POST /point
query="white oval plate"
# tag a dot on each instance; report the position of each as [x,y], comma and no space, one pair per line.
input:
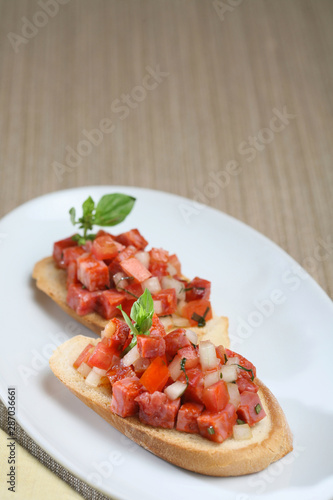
[279,318]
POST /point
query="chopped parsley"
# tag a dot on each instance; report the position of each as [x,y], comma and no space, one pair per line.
[201,320]
[211,430]
[257,408]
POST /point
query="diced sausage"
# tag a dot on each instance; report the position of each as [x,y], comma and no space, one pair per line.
[92,273]
[124,394]
[174,341]
[150,347]
[157,410]
[133,238]
[250,409]
[107,303]
[198,289]
[187,417]
[217,426]
[191,356]
[82,301]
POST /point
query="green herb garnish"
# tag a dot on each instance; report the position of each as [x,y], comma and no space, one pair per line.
[109,211]
[211,430]
[182,367]
[141,313]
[257,408]
[240,422]
[200,319]
[247,370]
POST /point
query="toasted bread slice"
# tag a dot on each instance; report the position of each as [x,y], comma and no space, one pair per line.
[52,281]
[271,438]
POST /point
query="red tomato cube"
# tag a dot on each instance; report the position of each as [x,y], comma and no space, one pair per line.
[217,426]
[168,301]
[250,409]
[187,417]
[124,393]
[92,273]
[133,267]
[101,356]
[197,289]
[156,375]
[197,311]
[82,301]
[150,347]
[216,396]
[118,372]
[195,386]
[132,237]
[105,247]
[84,356]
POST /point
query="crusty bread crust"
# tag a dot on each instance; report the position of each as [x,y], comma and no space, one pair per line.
[271,439]
[52,281]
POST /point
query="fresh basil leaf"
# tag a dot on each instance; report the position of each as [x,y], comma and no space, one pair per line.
[128,321]
[72,214]
[88,207]
[113,208]
[142,312]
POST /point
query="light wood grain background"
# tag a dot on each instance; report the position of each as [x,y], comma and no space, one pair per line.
[227,66]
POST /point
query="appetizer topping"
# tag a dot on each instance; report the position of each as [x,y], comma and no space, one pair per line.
[105,271]
[168,381]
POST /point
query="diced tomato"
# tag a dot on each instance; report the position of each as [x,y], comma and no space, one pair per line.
[150,347]
[197,309]
[114,266]
[82,301]
[216,396]
[133,267]
[245,363]
[187,417]
[250,409]
[220,353]
[132,237]
[92,273]
[245,384]
[198,289]
[105,247]
[124,393]
[217,426]
[84,356]
[72,275]
[158,264]
[156,329]
[168,299]
[58,249]
[70,254]
[195,386]
[176,340]
[174,261]
[191,356]
[156,375]
[118,372]
[107,303]
[157,410]
[101,356]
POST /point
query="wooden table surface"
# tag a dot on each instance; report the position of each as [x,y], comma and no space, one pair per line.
[226,102]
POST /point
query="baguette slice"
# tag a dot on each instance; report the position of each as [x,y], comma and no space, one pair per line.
[52,281]
[271,438]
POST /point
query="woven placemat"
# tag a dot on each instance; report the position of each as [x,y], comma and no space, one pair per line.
[24,440]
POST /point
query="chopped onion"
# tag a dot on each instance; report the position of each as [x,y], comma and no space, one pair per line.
[233,361]
[108,330]
[144,258]
[207,352]
[211,378]
[152,284]
[192,336]
[180,307]
[93,379]
[180,321]
[158,307]
[175,368]
[132,356]
[84,369]
[175,390]
[120,281]
[234,395]
[169,282]
[167,322]
[229,373]
[171,269]
[242,431]
[99,371]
